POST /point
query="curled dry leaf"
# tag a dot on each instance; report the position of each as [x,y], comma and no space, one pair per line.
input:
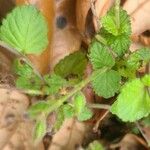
[139,12]
[66,38]
[42,61]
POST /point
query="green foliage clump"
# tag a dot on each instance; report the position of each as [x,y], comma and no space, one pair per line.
[114,74]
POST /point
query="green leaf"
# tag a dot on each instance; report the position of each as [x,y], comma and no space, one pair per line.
[107,83]
[37,108]
[109,23]
[100,56]
[74,64]
[79,103]
[60,119]
[68,111]
[25,29]
[138,57]
[127,72]
[25,82]
[119,44]
[146,80]
[95,145]
[22,69]
[54,82]
[133,103]
[85,114]
[39,130]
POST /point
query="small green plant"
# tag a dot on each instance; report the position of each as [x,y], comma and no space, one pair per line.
[114,74]
[95,145]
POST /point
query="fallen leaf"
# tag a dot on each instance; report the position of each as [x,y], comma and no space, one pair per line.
[22,138]
[82,9]
[12,106]
[139,12]
[69,136]
[66,38]
[130,142]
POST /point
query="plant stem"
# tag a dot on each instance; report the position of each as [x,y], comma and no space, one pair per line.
[10,49]
[117,8]
[32,92]
[99,106]
[77,88]
[101,39]
[143,134]
[28,91]
[24,57]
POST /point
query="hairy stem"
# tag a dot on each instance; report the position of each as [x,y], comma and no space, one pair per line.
[104,42]
[99,106]
[27,91]
[24,57]
[101,39]
[76,89]
[117,8]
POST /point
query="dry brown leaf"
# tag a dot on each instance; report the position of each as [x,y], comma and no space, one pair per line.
[66,38]
[139,12]
[22,138]
[101,7]
[98,8]
[146,130]
[130,142]
[12,106]
[42,61]
[15,130]
[82,9]
[5,6]
[134,46]
[5,60]
[69,136]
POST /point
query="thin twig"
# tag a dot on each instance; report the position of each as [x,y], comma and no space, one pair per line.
[28,91]
[117,8]
[103,41]
[143,134]
[148,72]
[10,49]
[148,68]
[99,106]
[95,128]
